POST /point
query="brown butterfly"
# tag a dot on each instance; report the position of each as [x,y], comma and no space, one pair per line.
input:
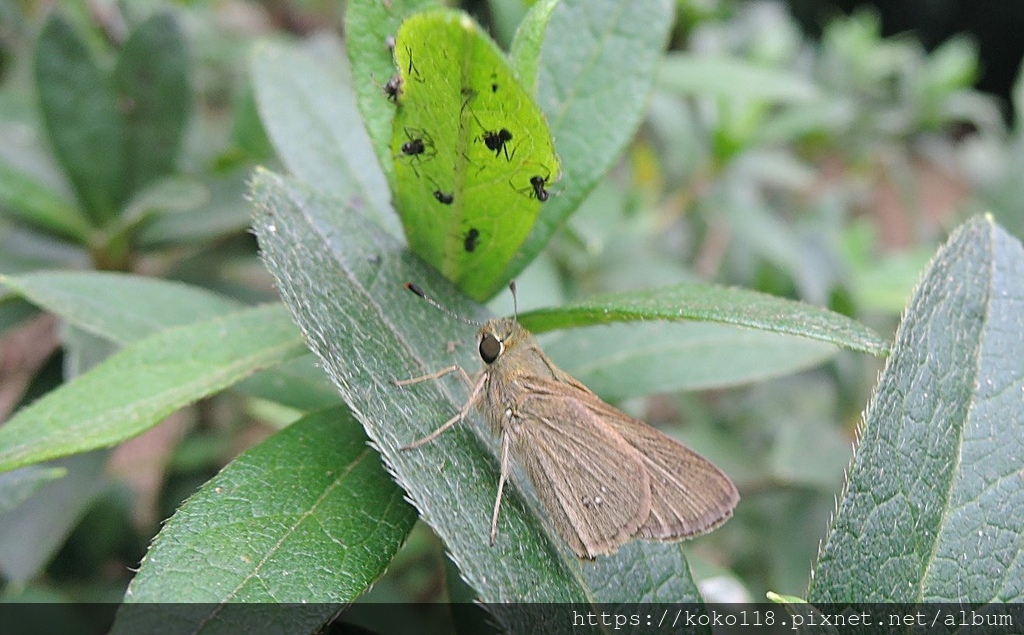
[604,477]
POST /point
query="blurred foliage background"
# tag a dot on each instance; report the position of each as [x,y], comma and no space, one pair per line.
[804,151]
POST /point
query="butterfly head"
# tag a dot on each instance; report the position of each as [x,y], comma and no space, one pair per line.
[497,337]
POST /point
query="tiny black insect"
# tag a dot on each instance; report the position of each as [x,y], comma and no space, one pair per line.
[497,140]
[418,148]
[538,183]
[471,240]
[419,143]
[536,189]
[414,147]
[393,88]
[442,197]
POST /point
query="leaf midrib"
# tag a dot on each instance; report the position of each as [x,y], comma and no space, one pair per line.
[955,471]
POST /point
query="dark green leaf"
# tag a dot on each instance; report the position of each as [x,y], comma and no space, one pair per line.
[300,383]
[151,82]
[166,195]
[32,532]
[344,280]
[41,252]
[934,505]
[14,311]
[711,303]
[81,115]
[19,485]
[223,212]
[120,307]
[733,79]
[529,38]
[597,65]
[24,198]
[311,116]
[307,516]
[659,357]
[137,387]
[642,572]
[82,350]
[124,308]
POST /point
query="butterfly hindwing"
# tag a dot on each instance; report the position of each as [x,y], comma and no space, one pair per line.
[592,482]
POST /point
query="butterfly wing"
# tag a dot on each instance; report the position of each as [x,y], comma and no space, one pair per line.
[593,483]
[689,495]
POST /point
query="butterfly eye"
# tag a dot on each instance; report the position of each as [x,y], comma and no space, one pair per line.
[490,348]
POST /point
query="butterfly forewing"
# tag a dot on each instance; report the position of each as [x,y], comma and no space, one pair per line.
[591,481]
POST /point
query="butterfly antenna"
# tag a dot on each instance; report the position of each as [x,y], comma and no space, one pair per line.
[515,300]
[443,309]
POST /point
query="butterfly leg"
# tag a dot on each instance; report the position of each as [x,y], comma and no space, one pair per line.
[473,396]
[435,375]
[506,442]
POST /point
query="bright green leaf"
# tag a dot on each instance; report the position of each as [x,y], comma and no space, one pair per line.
[473,154]
[784,599]
[934,506]
[344,280]
[152,84]
[368,26]
[711,303]
[137,387]
[308,516]
[80,111]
